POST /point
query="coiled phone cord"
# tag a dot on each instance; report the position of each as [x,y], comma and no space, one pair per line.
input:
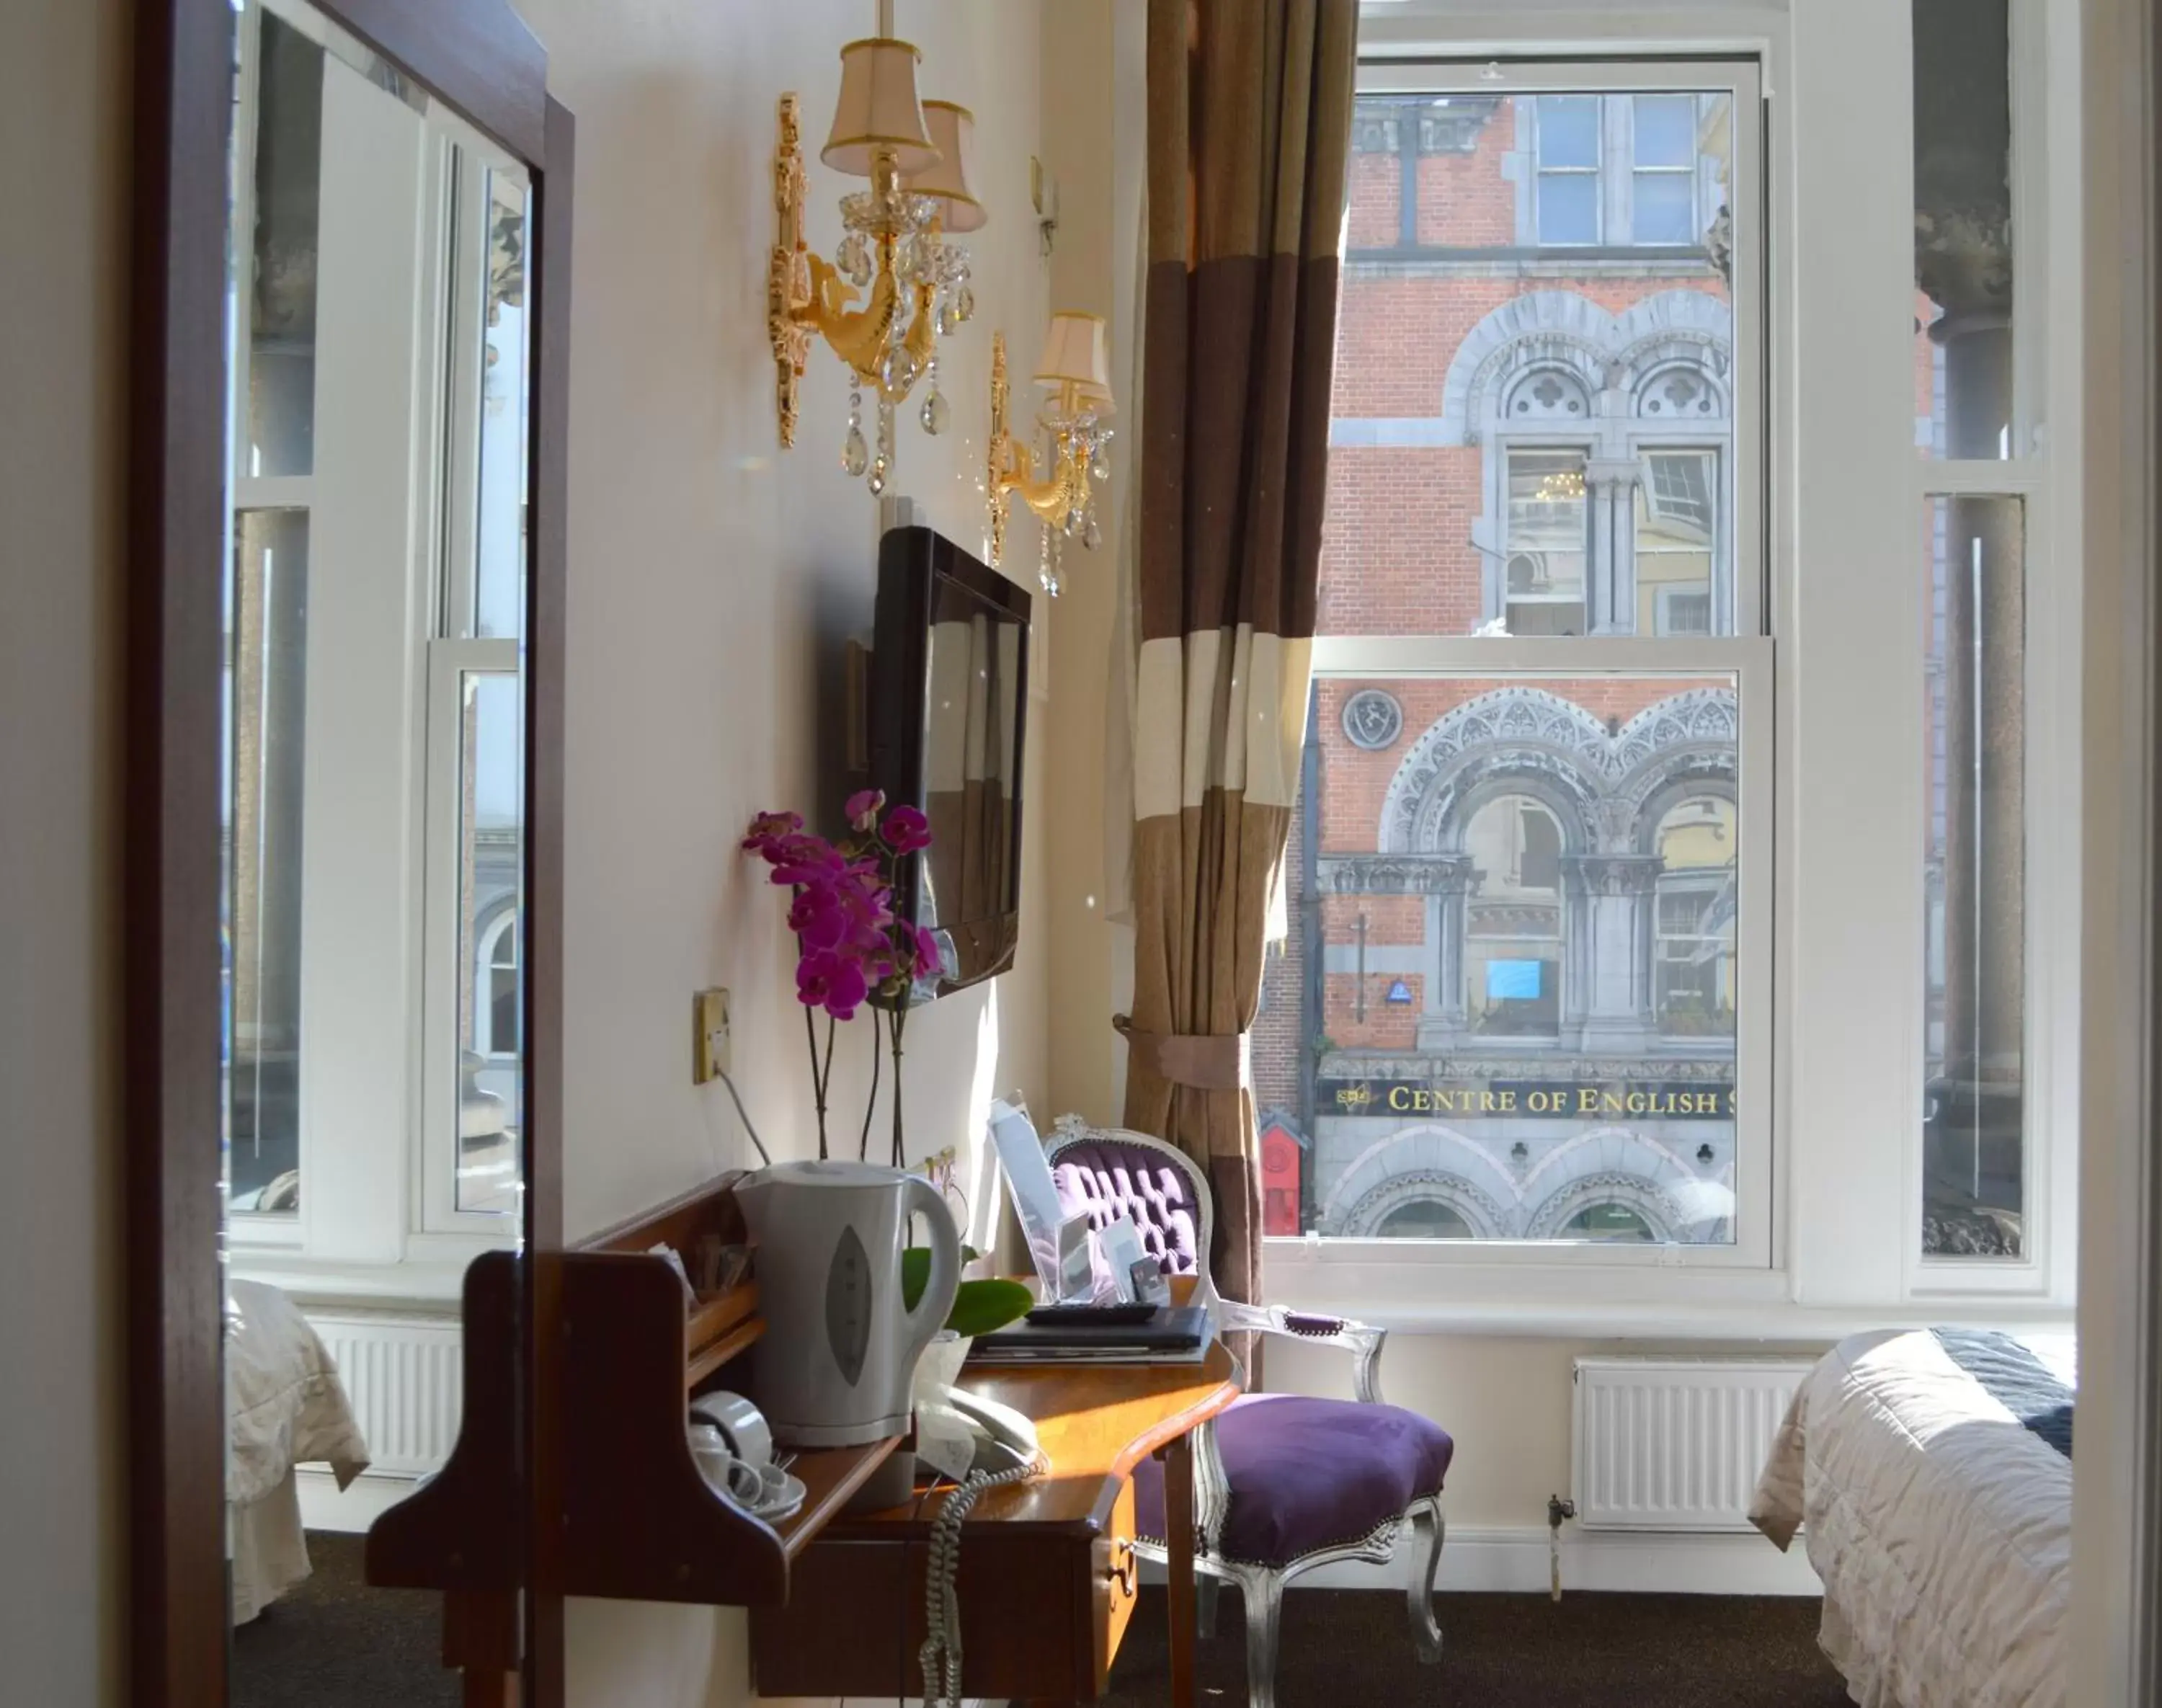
[940,1653]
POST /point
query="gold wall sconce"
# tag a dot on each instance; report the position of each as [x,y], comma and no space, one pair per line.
[895,246]
[1075,370]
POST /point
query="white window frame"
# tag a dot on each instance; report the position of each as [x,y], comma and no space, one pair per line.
[1838,354]
[1384,1267]
[375,1135]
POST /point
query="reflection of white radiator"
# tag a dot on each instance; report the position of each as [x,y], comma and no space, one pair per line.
[403,1375]
[1675,1443]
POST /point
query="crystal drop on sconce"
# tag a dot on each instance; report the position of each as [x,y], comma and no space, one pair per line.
[855,454]
[937,413]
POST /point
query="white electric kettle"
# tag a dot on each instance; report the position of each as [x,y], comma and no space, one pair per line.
[838,1357]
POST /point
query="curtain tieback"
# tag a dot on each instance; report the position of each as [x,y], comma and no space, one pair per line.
[1205,1061]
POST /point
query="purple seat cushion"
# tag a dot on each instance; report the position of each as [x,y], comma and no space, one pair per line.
[1109,1180]
[1309,1474]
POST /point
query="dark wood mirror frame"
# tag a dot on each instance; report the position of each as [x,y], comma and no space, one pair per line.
[478,57]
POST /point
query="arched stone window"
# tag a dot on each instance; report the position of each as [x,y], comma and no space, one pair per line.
[1512,924]
[495,999]
[1423,1219]
[1693,905]
[1615,1224]
[1606,444]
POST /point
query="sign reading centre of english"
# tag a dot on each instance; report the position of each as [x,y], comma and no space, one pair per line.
[1519,1099]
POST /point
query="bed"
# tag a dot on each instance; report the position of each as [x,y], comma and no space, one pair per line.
[1929,1473]
[284,1408]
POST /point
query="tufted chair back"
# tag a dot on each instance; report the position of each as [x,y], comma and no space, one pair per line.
[1150,1182]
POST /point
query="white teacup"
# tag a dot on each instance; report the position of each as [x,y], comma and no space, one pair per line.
[746,1483]
[741,1424]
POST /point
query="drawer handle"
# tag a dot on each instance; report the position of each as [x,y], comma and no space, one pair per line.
[1125,1570]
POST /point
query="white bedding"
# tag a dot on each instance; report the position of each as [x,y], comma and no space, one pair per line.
[285,1407]
[1938,1521]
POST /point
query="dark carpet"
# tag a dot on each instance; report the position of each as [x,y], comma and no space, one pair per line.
[1344,1648]
[332,1641]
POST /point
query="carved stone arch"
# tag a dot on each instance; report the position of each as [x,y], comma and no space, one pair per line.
[1619,1165]
[1687,776]
[1546,393]
[1420,1162]
[1557,330]
[1523,731]
[1551,1217]
[1681,745]
[1486,1220]
[1680,391]
[1693,318]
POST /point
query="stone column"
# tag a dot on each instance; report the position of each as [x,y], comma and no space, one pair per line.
[1610,591]
[1609,902]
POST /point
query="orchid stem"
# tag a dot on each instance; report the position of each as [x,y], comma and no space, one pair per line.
[870,1103]
[817,1085]
[900,1016]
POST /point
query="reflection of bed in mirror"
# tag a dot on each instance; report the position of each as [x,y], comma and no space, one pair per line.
[284,1408]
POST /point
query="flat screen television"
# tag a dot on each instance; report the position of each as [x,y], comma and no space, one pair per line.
[948,706]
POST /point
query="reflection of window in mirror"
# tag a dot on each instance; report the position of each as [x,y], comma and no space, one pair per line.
[372,765]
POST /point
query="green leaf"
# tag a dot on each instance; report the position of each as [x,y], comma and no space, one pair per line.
[982,1306]
[916,1271]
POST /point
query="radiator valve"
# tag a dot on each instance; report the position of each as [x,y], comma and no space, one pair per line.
[1558,1509]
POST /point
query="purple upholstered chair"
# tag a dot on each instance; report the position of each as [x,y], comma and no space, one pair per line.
[1283,1483]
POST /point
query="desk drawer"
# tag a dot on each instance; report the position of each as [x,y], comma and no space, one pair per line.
[1042,1613]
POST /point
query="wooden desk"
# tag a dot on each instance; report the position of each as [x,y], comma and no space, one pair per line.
[1048,1574]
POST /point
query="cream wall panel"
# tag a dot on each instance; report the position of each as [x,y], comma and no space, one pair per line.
[713,581]
[63,127]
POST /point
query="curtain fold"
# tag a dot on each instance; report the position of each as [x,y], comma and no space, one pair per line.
[1249,124]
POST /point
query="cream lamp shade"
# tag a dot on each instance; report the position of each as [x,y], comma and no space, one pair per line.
[1077,353]
[953,133]
[878,109]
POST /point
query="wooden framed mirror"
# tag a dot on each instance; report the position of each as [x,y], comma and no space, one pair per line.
[344,832]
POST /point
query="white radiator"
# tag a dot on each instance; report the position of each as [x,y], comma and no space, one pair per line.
[404,1378]
[1672,1444]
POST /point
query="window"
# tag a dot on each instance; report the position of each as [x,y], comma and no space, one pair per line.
[1675,514]
[1569,131]
[372,726]
[1609,1222]
[1513,921]
[475,718]
[1424,1220]
[1697,887]
[1541,739]
[1978,1183]
[1548,527]
[1622,171]
[1662,179]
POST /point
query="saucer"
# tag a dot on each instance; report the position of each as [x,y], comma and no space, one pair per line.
[783,1499]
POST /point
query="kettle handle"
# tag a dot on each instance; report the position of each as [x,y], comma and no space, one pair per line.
[944,1281]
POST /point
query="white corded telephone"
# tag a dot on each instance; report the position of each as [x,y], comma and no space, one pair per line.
[1005,1451]
[1004,1440]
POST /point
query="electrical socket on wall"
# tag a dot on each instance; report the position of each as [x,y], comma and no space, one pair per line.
[709,1035]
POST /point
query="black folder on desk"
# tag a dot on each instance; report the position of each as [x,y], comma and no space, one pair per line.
[1175,1335]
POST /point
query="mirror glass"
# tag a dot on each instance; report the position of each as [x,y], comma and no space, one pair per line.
[971,878]
[371,809]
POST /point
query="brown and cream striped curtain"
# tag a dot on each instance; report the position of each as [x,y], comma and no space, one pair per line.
[1249,125]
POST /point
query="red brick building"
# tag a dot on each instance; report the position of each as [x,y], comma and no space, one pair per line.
[1505,1007]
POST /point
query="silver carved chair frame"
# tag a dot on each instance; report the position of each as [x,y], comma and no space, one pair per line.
[1261,1586]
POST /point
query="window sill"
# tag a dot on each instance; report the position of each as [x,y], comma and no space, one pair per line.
[438,1286]
[1590,1301]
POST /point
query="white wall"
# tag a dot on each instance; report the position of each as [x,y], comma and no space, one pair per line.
[63,136]
[713,580]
